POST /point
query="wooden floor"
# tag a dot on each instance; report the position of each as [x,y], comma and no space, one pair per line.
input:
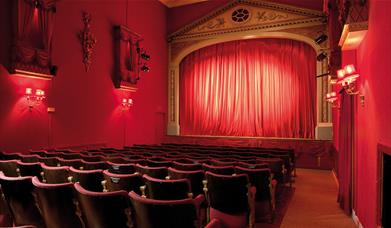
[314,203]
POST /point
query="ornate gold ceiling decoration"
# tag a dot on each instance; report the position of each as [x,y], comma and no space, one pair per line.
[245,15]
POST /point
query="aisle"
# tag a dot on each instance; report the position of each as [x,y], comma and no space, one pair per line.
[314,204]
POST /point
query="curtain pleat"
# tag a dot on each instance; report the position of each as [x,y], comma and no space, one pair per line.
[260,87]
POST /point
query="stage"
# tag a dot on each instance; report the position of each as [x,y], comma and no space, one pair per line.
[314,154]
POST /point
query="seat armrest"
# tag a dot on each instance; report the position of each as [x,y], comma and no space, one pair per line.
[214,223]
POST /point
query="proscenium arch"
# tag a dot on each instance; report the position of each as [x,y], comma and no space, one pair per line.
[268,20]
[322,127]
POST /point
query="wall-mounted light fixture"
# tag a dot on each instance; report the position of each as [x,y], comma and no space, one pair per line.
[127,103]
[34,99]
[347,77]
[332,98]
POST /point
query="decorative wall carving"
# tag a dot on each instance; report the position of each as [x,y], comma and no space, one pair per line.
[87,40]
[33,30]
[244,19]
[126,51]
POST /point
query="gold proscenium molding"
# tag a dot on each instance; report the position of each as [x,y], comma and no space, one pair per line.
[265,20]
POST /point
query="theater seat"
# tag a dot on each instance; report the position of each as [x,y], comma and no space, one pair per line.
[104,209]
[223,170]
[166,189]
[230,198]
[89,179]
[9,167]
[56,202]
[150,213]
[156,172]
[121,168]
[55,175]
[126,182]
[195,177]
[18,192]
[261,179]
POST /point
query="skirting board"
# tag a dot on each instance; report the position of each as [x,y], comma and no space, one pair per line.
[356,220]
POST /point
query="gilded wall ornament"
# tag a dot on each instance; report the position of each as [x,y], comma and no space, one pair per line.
[87,40]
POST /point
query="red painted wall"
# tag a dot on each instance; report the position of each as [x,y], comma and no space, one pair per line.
[373,119]
[87,105]
[181,16]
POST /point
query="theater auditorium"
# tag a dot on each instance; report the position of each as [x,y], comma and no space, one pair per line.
[195,113]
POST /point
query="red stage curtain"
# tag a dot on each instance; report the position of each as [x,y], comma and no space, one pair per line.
[345,150]
[261,87]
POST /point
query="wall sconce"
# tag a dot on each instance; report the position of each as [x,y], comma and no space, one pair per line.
[332,99]
[347,78]
[34,99]
[127,103]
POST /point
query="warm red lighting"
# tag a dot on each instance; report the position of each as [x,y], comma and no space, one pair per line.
[29,91]
[34,99]
[127,102]
[349,69]
[331,97]
[347,75]
[341,73]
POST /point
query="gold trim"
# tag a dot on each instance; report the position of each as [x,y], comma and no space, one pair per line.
[29,74]
[126,87]
[254,3]
[245,137]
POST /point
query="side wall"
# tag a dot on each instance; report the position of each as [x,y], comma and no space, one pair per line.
[373,123]
[88,108]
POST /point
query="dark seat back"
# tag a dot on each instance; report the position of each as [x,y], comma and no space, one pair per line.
[126,182]
[226,193]
[195,177]
[121,168]
[89,179]
[186,166]
[56,202]
[104,209]
[223,170]
[162,213]
[156,172]
[166,189]
[30,169]
[18,192]
[259,178]
[9,167]
[55,175]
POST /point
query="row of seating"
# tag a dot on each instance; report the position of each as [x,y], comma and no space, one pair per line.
[88,169]
[153,187]
[154,159]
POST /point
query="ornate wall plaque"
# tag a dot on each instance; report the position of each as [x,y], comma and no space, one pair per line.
[87,40]
[127,58]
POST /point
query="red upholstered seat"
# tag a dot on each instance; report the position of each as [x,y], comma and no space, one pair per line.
[75,163]
[55,175]
[9,167]
[29,169]
[29,158]
[230,198]
[156,172]
[56,203]
[121,168]
[18,192]
[261,179]
[50,161]
[95,165]
[126,182]
[89,179]
[167,189]
[166,213]
[224,170]
[104,209]
[194,176]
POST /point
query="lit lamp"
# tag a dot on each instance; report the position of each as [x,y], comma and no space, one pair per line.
[332,98]
[127,103]
[34,99]
[347,78]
